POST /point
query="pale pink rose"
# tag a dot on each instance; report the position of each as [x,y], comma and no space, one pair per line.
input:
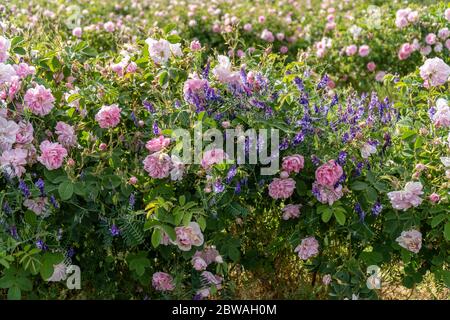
[405,51]
[188,236]
[133,180]
[444,33]
[108,116]
[364,50]
[38,205]
[413,17]
[284,49]
[162,281]
[39,100]
[261,19]
[407,198]
[371,66]
[326,280]
[109,26]
[380,76]
[132,67]
[434,72]
[438,47]
[52,155]
[430,38]
[211,157]
[157,165]
[199,264]
[8,133]
[267,36]
[293,163]
[329,173]
[248,27]
[291,211]
[434,197]
[77,32]
[425,50]
[212,279]
[13,162]
[5,45]
[327,194]
[280,36]
[441,117]
[447,14]
[25,133]
[118,68]
[195,45]
[66,134]
[207,256]
[23,70]
[410,240]
[351,50]
[308,248]
[281,188]
[447,44]
[159,50]
[157,144]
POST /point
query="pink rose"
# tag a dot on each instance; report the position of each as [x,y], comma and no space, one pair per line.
[39,100]
[410,240]
[66,134]
[108,116]
[293,163]
[430,38]
[77,32]
[308,248]
[434,72]
[211,157]
[291,211]
[364,50]
[329,173]
[188,236]
[434,197]
[281,188]
[162,281]
[52,155]
[327,194]
[371,66]
[13,162]
[157,144]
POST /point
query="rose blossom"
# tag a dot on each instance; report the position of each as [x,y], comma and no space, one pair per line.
[109,26]
[447,14]
[157,144]
[159,50]
[329,173]
[291,211]
[162,281]
[326,280]
[188,236]
[281,188]
[13,162]
[371,66]
[444,33]
[327,194]
[434,197]
[441,118]
[157,165]
[351,50]
[8,133]
[309,247]
[5,45]
[434,72]
[77,32]
[408,197]
[37,205]
[364,50]
[293,163]
[108,116]
[52,155]
[39,100]
[410,240]
[430,38]
[211,157]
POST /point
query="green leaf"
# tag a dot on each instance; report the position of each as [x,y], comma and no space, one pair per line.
[14,293]
[187,218]
[65,190]
[326,214]
[163,78]
[174,38]
[138,264]
[438,219]
[20,51]
[447,231]
[156,237]
[48,261]
[201,222]
[182,200]
[340,217]
[170,231]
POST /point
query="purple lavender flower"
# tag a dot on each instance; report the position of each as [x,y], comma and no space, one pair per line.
[342,158]
[218,186]
[206,70]
[114,230]
[24,188]
[298,138]
[231,173]
[156,130]
[299,83]
[132,200]
[13,232]
[54,203]
[377,208]
[323,82]
[237,189]
[149,106]
[41,245]
[40,185]
[70,252]
[360,212]
[6,208]
[315,160]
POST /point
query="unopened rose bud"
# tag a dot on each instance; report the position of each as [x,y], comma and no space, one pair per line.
[434,197]
[70,162]
[420,167]
[133,180]
[226,124]
[141,123]
[103,146]
[207,189]
[284,175]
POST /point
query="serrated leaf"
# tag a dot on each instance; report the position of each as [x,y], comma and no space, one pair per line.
[156,237]
[340,217]
[65,190]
